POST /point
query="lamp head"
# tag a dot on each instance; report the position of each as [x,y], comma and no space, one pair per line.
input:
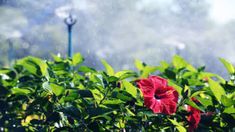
[70,20]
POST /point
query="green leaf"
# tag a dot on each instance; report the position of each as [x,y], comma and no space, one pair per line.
[56,58]
[128,87]
[46,86]
[70,95]
[139,65]
[187,91]
[98,96]
[147,70]
[125,74]
[163,66]
[113,79]
[30,67]
[179,63]
[227,101]
[177,88]
[196,93]
[108,68]
[204,75]
[20,91]
[120,124]
[205,101]
[85,93]
[229,110]
[77,59]
[122,95]
[216,89]
[105,116]
[4,71]
[130,112]
[86,69]
[34,65]
[113,102]
[191,103]
[228,66]
[179,127]
[56,89]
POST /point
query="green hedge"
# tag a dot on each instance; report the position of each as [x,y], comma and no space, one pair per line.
[64,94]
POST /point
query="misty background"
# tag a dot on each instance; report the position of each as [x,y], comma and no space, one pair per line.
[121,30]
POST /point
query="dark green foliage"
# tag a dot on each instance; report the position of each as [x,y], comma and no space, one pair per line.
[64,95]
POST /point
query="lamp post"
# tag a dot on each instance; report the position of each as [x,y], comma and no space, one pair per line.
[70,21]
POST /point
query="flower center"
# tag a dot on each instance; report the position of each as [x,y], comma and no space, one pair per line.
[156,97]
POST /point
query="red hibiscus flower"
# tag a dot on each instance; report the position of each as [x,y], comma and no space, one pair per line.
[194,117]
[158,96]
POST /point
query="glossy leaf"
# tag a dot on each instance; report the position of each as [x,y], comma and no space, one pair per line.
[229,110]
[228,66]
[77,59]
[227,101]
[32,64]
[98,96]
[179,63]
[125,74]
[128,87]
[177,88]
[193,104]
[20,91]
[56,89]
[147,70]
[86,69]
[179,127]
[216,89]
[108,68]
[139,65]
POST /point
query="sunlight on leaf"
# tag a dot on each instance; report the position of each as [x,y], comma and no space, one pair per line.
[216,89]
[228,66]
[108,68]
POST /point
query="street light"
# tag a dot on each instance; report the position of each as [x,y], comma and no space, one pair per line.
[64,12]
[70,21]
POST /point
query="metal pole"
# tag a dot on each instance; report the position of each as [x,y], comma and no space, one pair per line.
[70,47]
[70,21]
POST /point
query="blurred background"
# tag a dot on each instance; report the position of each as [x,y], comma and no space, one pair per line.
[120,31]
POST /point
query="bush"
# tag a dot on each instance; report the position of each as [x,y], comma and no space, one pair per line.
[40,95]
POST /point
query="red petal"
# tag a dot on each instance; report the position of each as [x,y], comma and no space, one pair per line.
[146,87]
[167,93]
[158,82]
[194,118]
[169,106]
[153,104]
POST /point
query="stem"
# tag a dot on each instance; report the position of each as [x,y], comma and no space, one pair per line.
[105,95]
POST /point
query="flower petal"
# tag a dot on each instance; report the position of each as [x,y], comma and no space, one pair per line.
[158,82]
[169,106]
[146,87]
[194,118]
[153,104]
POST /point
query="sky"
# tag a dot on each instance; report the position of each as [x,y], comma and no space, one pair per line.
[222,11]
[123,30]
